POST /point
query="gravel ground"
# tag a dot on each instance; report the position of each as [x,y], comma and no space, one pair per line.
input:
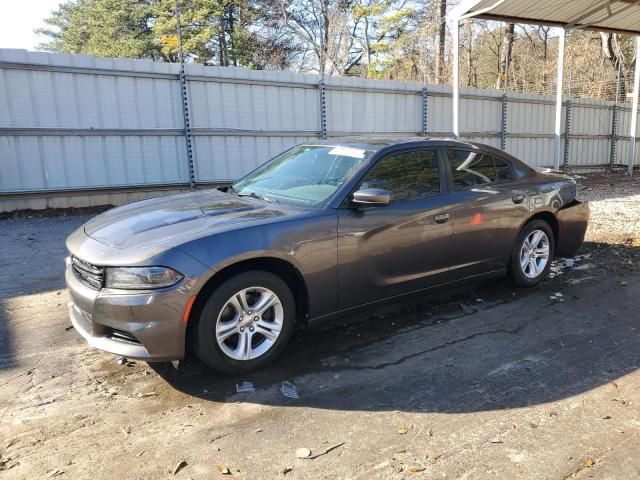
[481,382]
[615,208]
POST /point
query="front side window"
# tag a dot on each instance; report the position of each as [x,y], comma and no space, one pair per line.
[307,175]
[470,169]
[406,175]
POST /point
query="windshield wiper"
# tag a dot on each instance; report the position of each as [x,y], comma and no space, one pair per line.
[255,195]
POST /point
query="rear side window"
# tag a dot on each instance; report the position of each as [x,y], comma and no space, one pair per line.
[470,169]
[406,175]
[503,169]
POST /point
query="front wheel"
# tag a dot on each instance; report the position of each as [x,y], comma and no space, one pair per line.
[245,323]
[532,254]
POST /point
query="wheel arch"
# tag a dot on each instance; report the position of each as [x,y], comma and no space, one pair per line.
[283,269]
[550,219]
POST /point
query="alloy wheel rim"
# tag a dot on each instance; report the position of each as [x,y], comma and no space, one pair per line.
[534,254]
[249,323]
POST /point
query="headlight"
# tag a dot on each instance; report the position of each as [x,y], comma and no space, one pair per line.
[141,278]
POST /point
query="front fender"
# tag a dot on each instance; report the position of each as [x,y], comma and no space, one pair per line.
[308,244]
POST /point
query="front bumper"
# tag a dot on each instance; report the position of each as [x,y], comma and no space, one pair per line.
[137,325]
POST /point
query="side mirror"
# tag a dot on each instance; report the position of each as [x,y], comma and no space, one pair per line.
[371,196]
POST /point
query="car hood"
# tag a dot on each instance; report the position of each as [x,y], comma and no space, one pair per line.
[177,218]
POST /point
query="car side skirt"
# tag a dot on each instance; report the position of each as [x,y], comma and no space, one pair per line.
[317,321]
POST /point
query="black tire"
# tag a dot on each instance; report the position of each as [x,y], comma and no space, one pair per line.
[515,269]
[205,344]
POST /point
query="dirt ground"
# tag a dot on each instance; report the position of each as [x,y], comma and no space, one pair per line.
[481,382]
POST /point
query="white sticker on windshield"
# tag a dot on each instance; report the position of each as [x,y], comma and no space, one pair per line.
[348,152]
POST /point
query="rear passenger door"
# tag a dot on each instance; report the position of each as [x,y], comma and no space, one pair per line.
[488,211]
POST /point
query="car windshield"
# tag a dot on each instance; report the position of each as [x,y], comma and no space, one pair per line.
[307,175]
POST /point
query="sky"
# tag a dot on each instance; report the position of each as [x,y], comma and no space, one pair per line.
[18,19]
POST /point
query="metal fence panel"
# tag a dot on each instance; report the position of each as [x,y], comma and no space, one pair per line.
[588,152]
[77,121]
[530,118]
[373,107]
[224,158]
[537,152]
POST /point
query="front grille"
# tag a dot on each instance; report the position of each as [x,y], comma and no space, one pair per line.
[90,275]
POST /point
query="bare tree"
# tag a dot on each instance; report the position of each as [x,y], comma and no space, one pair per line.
[621,56]
[507,51]
[441,19]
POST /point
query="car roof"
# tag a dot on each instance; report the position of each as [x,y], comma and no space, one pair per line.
[378,143]
[389,144]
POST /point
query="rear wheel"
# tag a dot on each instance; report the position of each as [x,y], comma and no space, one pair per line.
[245,323]
[532,254]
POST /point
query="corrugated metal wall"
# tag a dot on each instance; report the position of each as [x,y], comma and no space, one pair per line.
[70,122]
[64,128]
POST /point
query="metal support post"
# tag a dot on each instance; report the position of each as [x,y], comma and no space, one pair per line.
[634,111]
[503,126]
[185,102]
[558,129]
[614,136]
[425,111]
[323,110]
[455,34]
[567,138]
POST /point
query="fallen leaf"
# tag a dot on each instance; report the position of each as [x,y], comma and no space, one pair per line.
[416,469]
[179,466]
[303,453]
[589,463]
[403,430]
[6,465]
[224,470]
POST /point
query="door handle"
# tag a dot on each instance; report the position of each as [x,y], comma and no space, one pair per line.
[518,197]
[442,218]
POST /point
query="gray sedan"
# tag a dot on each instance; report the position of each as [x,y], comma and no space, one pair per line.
[319,230]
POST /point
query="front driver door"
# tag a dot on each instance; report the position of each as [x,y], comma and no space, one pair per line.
[389,250]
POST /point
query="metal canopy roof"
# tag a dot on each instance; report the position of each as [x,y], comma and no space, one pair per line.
[621,16]
[618,16]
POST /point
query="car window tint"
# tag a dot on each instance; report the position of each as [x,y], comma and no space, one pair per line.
[470,168]
[503,169]
[406,175]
